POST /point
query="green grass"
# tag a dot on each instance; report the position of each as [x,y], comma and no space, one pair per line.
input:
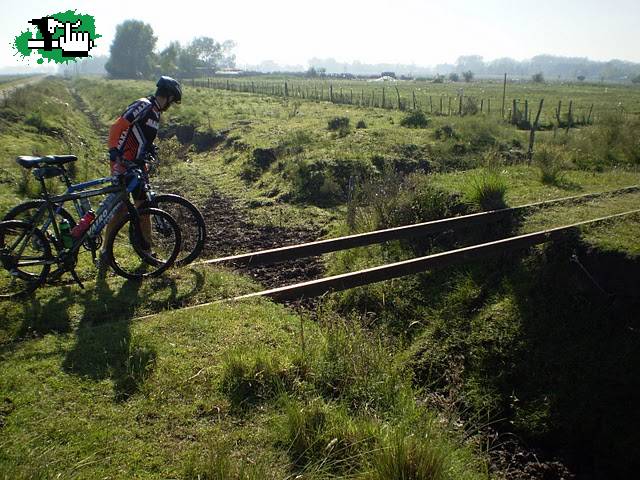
[159,397]
[394,377]
[605,98]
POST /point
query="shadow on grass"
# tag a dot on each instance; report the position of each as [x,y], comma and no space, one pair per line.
[577,375]
[104,347]
[50,316]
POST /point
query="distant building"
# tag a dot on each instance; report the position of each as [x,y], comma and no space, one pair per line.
[388,74]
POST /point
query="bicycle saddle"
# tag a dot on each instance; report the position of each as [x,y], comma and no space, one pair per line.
[31,162]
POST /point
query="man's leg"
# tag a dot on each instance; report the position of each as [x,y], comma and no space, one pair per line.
[145,225]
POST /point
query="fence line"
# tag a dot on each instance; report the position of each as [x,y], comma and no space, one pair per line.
[460,104]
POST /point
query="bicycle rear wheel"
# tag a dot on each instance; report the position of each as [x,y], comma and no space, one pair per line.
[192,226]
[25,255]
[134,256]
[27,212]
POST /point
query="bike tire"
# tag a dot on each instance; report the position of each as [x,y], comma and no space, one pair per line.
[191,221]
[31,276]
[26,211]
[130,260]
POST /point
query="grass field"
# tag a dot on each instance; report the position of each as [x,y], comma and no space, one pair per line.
[605,98]
[429,374]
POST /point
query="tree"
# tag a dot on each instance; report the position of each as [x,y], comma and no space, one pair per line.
[131,54]
[468,76]
[636,79]
[206,55]
[538,77]
[454,77]
[581,78]
[168,60]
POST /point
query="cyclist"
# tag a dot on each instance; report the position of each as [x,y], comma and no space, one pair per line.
[131,138]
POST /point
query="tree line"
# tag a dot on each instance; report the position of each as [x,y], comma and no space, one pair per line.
[133,54]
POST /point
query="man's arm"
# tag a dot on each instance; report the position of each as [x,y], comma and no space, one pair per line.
[115,132]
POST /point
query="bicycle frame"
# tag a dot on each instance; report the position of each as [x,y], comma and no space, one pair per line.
[105,212]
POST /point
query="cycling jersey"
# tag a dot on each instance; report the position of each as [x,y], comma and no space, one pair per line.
[136,129]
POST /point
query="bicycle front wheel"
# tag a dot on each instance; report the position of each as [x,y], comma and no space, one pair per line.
[25,255]
[148,253]
[192,226]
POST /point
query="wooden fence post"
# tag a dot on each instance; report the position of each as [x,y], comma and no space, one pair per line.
[570,115]
[504,93]
[430,104]
[383,99]
[399,102]
[532,134]
[414,99]
[331,92]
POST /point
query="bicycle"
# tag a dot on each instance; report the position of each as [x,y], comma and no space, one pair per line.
[25,246]
[192,225]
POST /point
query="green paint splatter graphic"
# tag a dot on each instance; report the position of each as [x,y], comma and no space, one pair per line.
[87,25]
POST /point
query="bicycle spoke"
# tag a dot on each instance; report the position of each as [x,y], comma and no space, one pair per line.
[23,266]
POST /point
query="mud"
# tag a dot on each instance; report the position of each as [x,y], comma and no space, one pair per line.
[230,233]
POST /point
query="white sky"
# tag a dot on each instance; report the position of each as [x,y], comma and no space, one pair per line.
[373,31]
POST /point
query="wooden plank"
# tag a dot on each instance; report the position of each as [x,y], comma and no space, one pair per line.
[368,276]
[320,247]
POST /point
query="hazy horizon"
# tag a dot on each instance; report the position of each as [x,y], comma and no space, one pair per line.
[405,32]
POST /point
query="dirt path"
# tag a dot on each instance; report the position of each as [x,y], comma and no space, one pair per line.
[8,90]
[229,233]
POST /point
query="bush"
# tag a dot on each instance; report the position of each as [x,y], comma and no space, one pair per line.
[454,77]
[468,76]
[537,77]
[361,124]
[312,181]
[487,189]
[636,79]
[445,132]
[293,143]
[415,119]
[470,106]
[549,162]
[340,124]
[325,182]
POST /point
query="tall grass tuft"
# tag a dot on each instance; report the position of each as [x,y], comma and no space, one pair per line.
[216,463]
[550,163]
[357,367]
[409,458]
[249,378]
[324,440]
[487,189]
